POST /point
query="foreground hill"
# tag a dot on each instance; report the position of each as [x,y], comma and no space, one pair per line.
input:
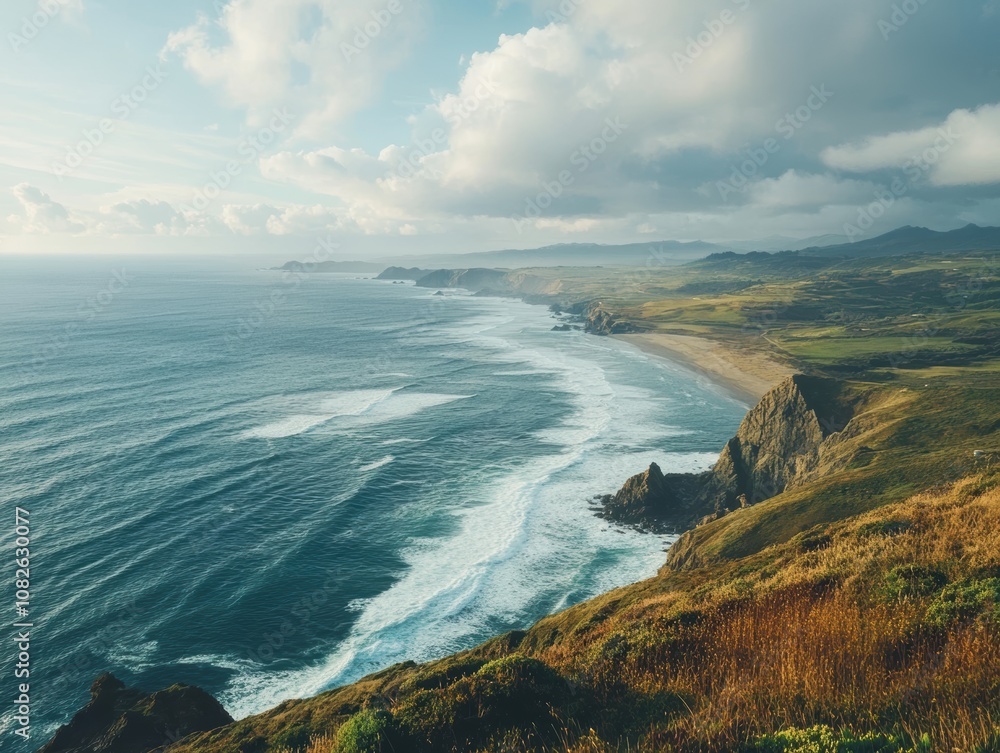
[840,587]
[866,599]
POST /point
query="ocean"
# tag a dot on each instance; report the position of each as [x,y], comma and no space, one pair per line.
[268,488]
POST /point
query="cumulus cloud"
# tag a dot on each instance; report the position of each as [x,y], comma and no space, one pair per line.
[962,150]
[142,217]
[322,58]
[695,88]
[801,191]
[40,213]
[614,120]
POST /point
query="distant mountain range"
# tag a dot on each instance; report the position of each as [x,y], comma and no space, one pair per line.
[575,255]
[916,240]
[904,240]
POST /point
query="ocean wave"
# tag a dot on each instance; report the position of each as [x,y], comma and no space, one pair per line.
[377,464]
[336,412]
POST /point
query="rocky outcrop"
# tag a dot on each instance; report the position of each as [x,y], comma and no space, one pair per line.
[657,502]
[469,279]
[402,273]
[599,321]
[779,444]
[125,720]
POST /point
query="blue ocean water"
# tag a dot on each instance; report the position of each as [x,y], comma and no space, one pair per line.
[268,488]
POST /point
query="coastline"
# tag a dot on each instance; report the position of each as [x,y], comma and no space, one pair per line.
[744,374]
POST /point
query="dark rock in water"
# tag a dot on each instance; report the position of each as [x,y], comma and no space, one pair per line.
[440,292]
[125,720]
[562,328]
[658,502]
[780,444]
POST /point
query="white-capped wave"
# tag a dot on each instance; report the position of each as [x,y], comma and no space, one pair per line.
[335,412]
[377,464]
[525,541]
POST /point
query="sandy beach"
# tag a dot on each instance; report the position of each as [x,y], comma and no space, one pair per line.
[745,374]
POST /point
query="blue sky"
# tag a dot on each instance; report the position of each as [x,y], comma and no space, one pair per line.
[399,126]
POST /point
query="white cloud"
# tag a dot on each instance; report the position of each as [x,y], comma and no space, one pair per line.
[963,150]
[680,79]
[696,89]
[322,58]
[798,190]
[142,217]
[40,214]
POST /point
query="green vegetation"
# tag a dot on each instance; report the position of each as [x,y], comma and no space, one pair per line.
[856,611]
[865,318]
[822,739]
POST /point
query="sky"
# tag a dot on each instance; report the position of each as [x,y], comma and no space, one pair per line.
[390,127]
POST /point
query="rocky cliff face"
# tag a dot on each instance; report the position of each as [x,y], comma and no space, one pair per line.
[600,321]
[469,279]
[780,443]
[403,273]
[126,720]
[657,502]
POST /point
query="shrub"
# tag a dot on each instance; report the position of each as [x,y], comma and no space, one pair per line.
[907,581]
[368,731]
[293,738]
[965,600]
[822,739]
[507,693]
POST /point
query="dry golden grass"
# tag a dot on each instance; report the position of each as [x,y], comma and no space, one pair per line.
[809,639]
[801,634]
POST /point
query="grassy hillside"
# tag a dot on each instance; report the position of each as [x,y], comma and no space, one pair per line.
[856,317]
[858,611]
[883,627]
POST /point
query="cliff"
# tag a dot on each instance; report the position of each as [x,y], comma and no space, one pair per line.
[598,320]
[402,273]
[469,279]
[779,444]
[877,560]
[125,720]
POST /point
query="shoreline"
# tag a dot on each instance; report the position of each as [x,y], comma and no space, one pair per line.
[746,375]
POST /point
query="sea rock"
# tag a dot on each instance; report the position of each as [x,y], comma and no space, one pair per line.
[779,444]
[401,273]
[125,720]
[658,502]
[600,321]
